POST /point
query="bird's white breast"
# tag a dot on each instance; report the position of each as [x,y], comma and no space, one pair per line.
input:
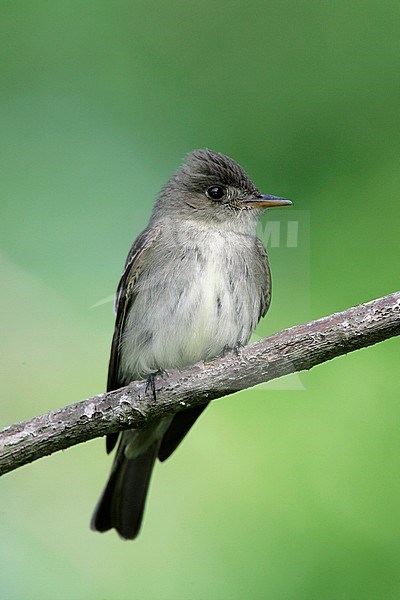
[193,306]
[208,306]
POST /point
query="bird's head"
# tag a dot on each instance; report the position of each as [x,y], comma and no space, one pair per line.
[214,188]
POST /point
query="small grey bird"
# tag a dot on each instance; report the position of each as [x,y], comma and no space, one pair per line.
[196,282]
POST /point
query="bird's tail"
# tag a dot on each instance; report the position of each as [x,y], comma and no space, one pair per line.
[122,502]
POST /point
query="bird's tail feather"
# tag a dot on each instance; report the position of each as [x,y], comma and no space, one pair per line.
[122,502]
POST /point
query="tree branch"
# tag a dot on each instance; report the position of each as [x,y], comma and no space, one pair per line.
[295,349]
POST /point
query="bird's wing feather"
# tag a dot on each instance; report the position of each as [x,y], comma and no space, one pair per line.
[124,298]
[266,278]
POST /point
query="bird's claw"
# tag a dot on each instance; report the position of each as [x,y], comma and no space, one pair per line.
[235,349]
[151,381]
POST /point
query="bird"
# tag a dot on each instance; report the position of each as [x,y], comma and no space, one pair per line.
[196,282]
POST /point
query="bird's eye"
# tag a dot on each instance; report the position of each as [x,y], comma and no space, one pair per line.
[215,193]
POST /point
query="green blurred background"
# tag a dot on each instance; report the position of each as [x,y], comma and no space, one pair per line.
[289,491]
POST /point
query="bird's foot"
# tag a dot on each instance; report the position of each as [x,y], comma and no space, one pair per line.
[151,381]
[236,349]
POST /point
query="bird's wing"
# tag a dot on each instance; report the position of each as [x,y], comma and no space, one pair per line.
[266,278]
[124,298]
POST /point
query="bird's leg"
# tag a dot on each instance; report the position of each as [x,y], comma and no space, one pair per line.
[151,381]
[236,349]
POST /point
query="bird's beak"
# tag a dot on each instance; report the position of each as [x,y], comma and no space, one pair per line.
[267,201]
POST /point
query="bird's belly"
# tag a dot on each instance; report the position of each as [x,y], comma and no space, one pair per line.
[209,322]
[192,319]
